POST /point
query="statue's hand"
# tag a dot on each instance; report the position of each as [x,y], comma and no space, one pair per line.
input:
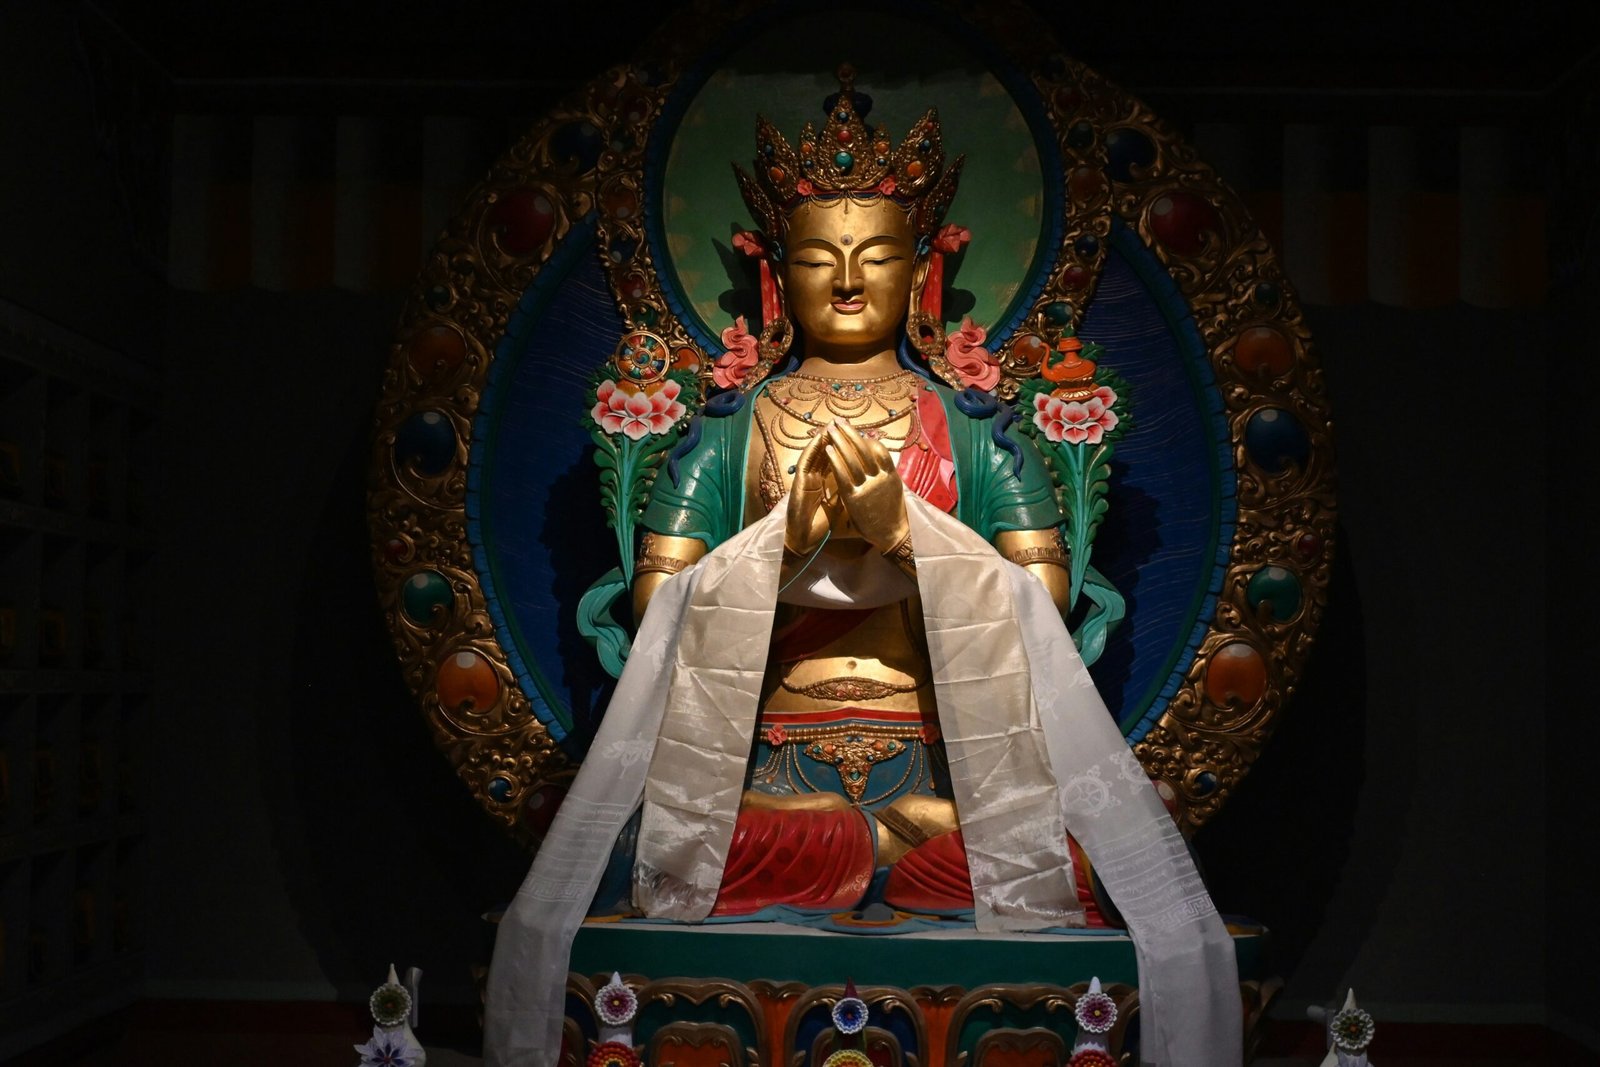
[869,485]
[806,522]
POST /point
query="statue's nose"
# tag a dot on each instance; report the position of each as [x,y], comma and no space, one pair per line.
[847,279]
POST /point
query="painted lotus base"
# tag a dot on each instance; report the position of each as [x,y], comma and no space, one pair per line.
[761,993]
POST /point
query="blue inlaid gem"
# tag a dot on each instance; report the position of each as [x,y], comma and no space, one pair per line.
[1125,149]
[844,160]
[577,142]
[426,441]
[1081,135]
[1087,245]
[1205,783]
[500,788]
[1274,440]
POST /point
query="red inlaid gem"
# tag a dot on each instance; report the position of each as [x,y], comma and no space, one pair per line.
[396,550]
[634,286]
[539,810]
[1074,277]
[843,136]
[1085,183]
[635,107]
[1181,220]
[1263,349]
[621,202]
[523,220]
[1308,546]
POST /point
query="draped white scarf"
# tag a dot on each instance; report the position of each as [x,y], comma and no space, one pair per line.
[1032,752]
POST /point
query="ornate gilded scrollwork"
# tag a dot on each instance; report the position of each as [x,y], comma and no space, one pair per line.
[680,1044]
[581,170]
[1008,1047]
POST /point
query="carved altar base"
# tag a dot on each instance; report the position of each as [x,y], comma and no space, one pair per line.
[749,994]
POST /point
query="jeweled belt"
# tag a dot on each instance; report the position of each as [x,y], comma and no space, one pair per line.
[851,690]
[851,747]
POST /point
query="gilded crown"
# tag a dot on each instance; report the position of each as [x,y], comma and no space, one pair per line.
[849,159]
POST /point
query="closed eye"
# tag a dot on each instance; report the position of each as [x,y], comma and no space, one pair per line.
[880,262]
[809,263]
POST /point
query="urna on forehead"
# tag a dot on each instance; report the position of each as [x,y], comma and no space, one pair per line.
[849,221]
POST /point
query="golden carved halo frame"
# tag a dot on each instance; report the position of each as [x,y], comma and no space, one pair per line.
[443,622]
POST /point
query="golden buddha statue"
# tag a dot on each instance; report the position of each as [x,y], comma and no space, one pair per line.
[847,761]
[841,693]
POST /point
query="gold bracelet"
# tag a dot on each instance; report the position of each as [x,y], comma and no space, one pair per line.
[1053,552]
[1038,554]
[650,560]
[901,553]
[659,564]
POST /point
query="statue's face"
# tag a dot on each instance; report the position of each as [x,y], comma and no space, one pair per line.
[848,273]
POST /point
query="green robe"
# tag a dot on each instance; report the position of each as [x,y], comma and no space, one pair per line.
[708,500]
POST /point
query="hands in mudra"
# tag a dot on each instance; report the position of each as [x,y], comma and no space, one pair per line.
[845,482]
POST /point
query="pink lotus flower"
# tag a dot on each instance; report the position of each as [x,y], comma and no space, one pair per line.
[804,187]
[1074,421]
[733,366]
[887,186]
[776,735]
[974,364]
[621,409]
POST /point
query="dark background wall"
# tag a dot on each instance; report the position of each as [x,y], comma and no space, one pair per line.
[1415,827]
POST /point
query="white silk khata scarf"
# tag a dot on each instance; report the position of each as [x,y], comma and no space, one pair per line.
[1032,752]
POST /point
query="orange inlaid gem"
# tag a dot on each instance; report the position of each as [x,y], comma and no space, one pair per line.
[467,683]
[436,351]
[914,169]
[1030,349]
[776,174]
[1236,675]
[1262,348]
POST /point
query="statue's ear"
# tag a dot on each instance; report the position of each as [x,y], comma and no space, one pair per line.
[919,278]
